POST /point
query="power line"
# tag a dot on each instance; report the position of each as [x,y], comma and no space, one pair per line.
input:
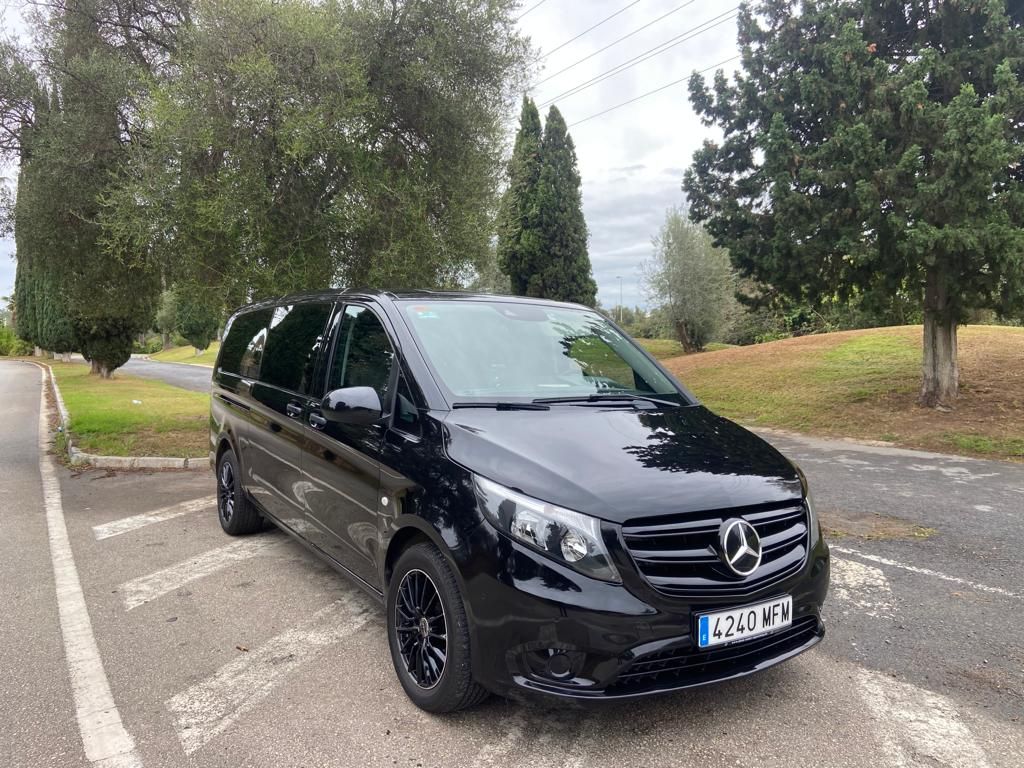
[587,30]
[532,8]
[612,43]
[650,53]
[651,93]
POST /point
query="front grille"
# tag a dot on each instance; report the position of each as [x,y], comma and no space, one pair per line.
[679,556]
[677,667]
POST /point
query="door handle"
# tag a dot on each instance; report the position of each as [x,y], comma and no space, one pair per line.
[317,421]
[293,410]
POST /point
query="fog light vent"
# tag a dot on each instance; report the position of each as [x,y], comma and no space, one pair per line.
[555,663]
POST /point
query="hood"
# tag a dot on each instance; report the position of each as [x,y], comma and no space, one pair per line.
[619,463]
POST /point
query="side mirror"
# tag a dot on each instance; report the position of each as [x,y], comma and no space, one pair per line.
[352,405]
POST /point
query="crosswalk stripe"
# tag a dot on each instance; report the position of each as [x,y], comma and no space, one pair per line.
[210,707]
[918,728]
[862,586]
[153,585]
[126,524]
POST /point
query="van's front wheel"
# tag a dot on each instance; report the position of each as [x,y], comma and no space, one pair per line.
[428,633]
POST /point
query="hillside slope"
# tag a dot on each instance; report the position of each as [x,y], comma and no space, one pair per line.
[864,384]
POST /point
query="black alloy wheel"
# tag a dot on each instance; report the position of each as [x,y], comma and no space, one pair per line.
[236,513]
[226,493]
[421,628]
[428,632]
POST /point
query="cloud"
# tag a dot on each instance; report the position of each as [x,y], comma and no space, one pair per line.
[7,267]
[630,169]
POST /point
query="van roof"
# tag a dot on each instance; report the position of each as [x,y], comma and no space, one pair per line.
[392,296]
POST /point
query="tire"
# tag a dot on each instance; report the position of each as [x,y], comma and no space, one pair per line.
[236,513]
[436,674]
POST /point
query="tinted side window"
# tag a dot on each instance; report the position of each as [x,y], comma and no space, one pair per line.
[243,343]
[363,355]
[293,342]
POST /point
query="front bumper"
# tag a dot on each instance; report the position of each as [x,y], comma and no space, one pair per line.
[614,641]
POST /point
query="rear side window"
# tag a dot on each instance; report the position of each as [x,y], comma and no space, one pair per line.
[244,339]
[293,344]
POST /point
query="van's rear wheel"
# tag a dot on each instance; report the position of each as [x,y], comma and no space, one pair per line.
[235,511]
[428,633]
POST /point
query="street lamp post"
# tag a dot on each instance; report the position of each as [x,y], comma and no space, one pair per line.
[620,299]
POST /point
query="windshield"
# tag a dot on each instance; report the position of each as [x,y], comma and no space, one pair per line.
[507,350]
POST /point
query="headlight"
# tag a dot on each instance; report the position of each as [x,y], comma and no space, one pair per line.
[812,515]
[569,537]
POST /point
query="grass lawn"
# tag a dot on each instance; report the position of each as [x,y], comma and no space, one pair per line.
[128,416]
[188,355]
[864,384]
[664,349]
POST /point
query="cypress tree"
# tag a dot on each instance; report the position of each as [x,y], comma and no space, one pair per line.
[112,295]
[564,273]
[518,244]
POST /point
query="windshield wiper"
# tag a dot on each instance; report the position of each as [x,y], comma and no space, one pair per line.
[504,405]
[625,399]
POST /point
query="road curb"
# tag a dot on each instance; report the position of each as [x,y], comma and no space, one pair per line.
[79,458]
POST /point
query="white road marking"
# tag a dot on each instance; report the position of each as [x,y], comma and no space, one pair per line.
[928,572]
[126,524]
[918,728]
[863,586]
[210,707]
[154,585]
[104,738]
[960,475]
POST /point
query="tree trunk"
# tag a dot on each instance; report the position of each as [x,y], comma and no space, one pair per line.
[940,380]
[94,367]
[105,372]
[165,340]
[683,334]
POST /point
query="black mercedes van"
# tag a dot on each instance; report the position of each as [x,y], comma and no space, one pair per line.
[539,505]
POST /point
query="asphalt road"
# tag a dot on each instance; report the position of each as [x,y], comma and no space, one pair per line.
[194,377]
[249,652]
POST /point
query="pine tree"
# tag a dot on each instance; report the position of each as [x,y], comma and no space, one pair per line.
[518,245]
[871,148]
[564,272]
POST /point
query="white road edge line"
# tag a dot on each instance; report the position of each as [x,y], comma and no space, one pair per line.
[126,524]
[153,585]
[209,707]
[928,572]
[104,737]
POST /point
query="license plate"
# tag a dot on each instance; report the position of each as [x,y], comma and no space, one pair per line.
[744,623]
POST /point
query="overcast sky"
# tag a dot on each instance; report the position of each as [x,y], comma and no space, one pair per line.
[631,159]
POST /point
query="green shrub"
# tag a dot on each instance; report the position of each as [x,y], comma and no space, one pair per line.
[153,345]
[11,345]
[6,340]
